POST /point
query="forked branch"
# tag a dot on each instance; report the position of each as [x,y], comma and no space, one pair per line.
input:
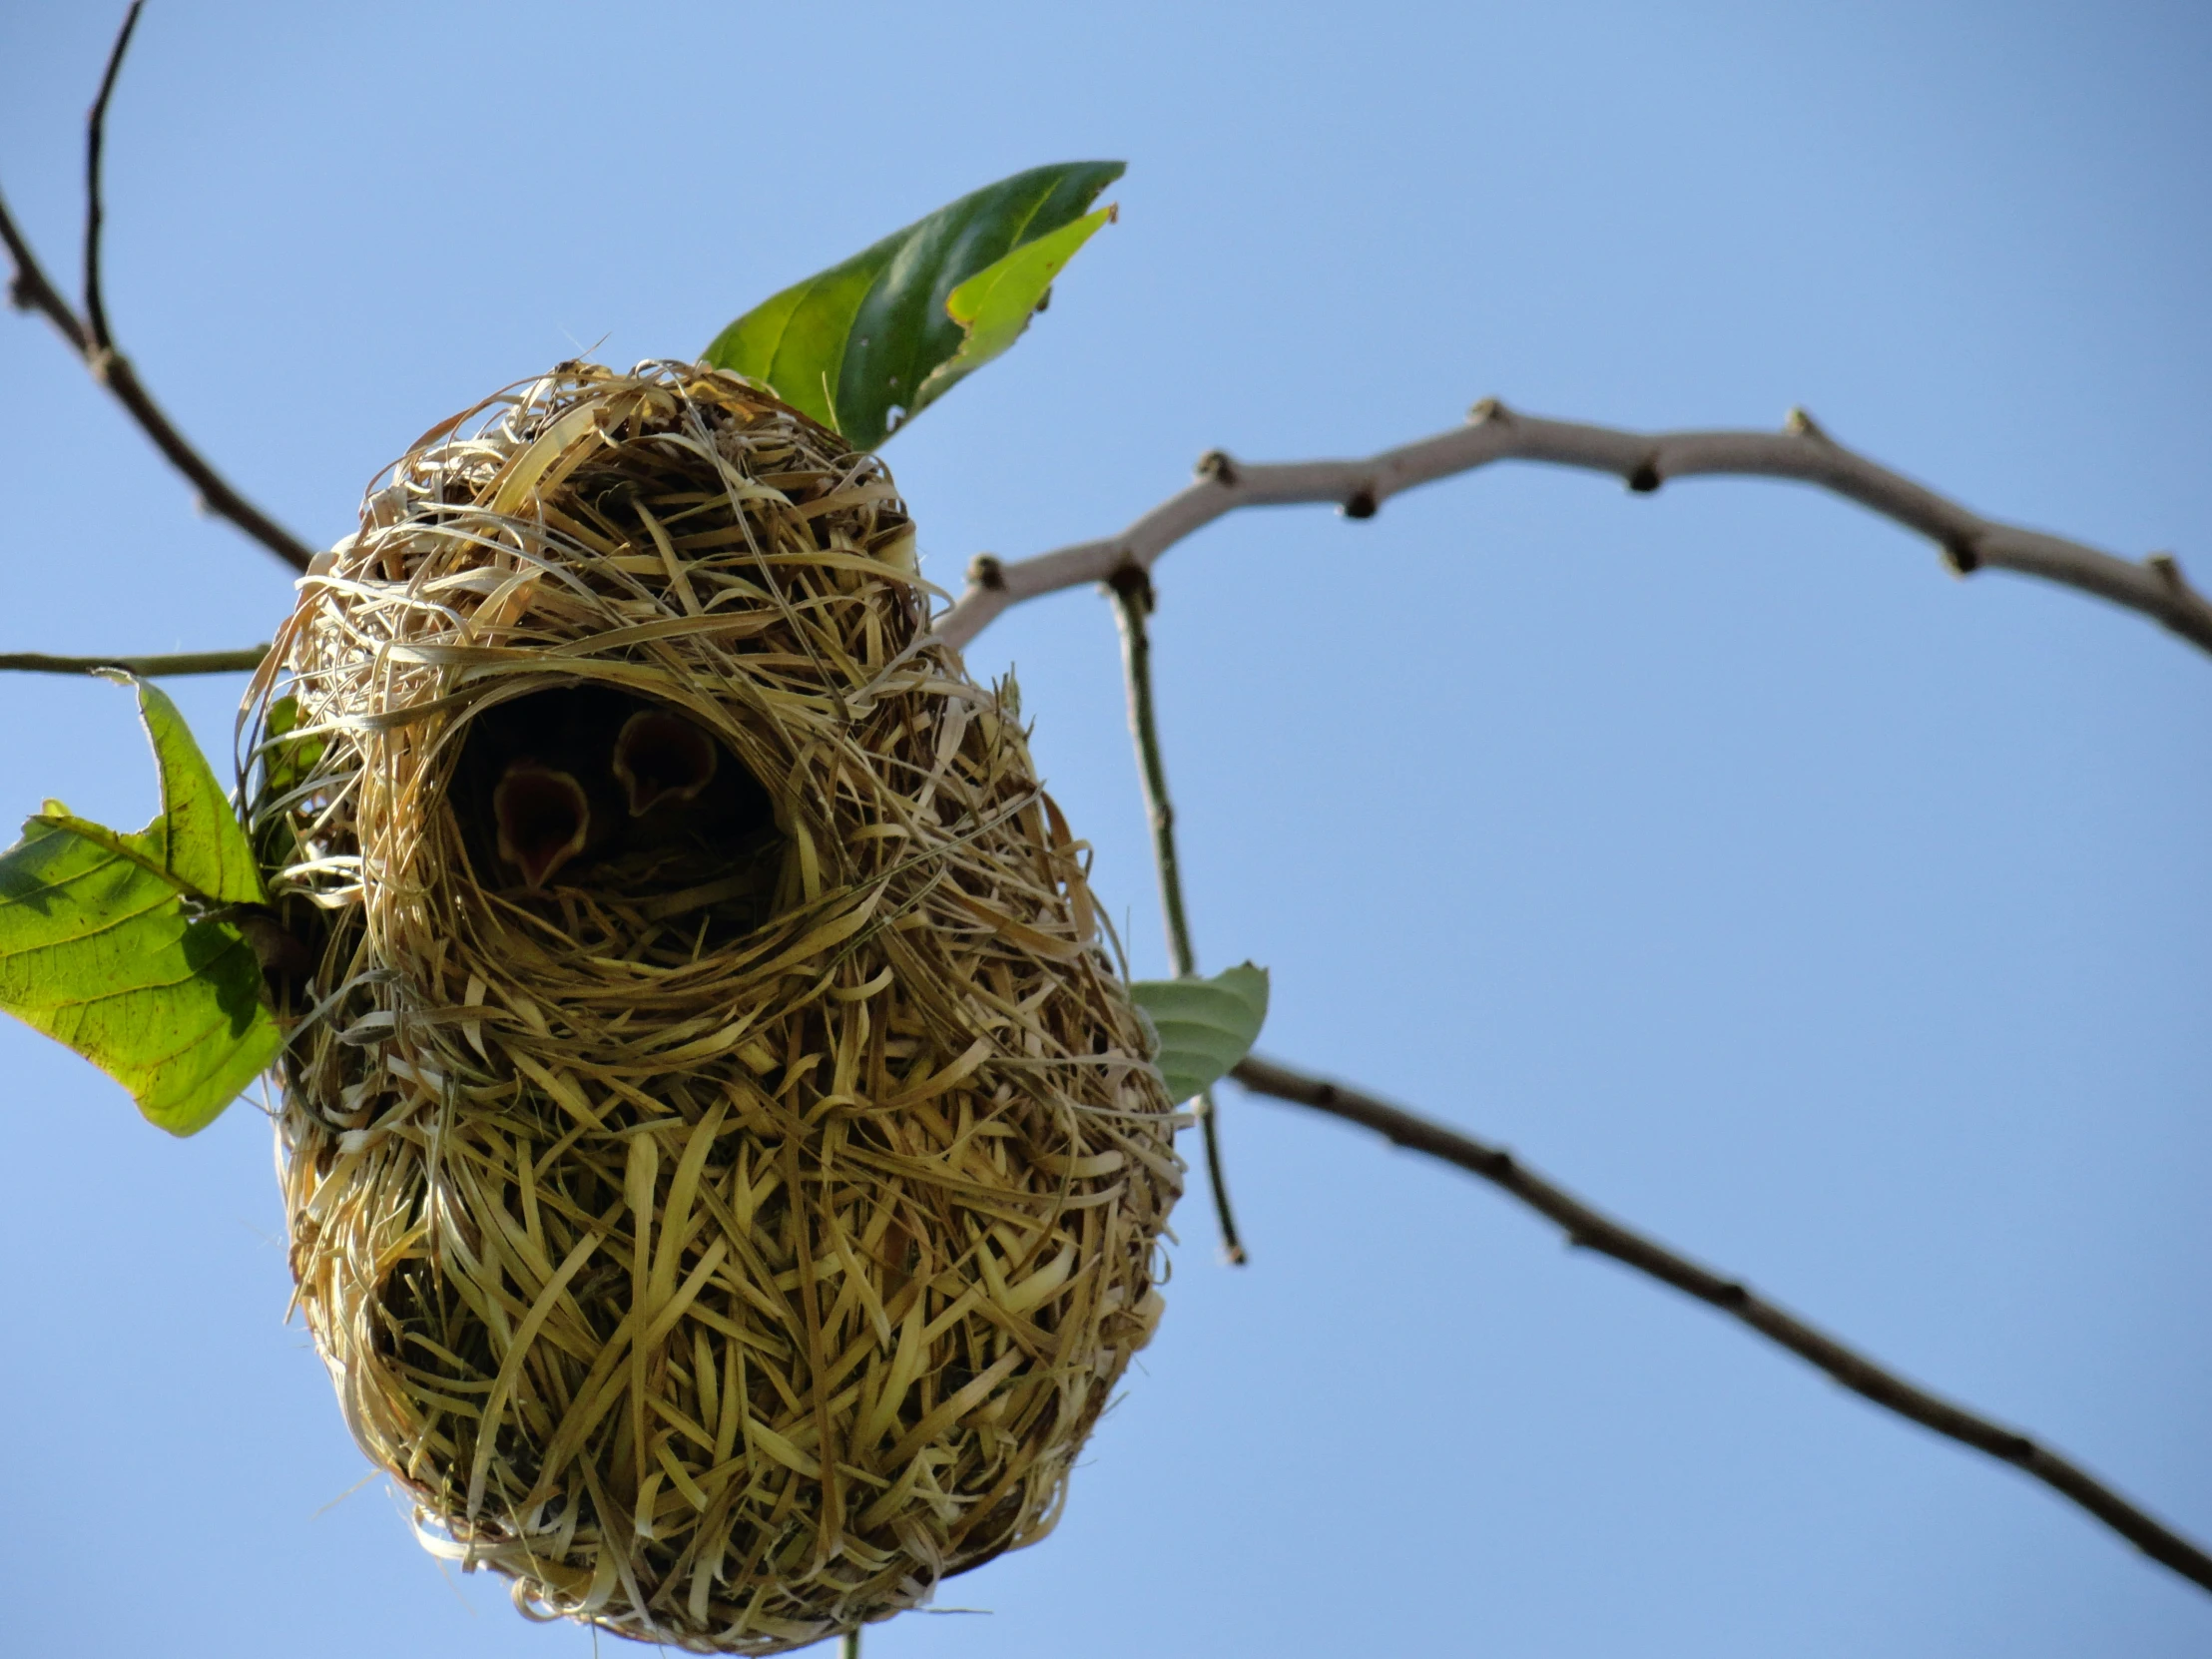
[2154,586]
[1587,1228]
[29,290]
[1803,451]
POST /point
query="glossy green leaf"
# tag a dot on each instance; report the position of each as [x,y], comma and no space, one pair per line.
[115,944]
[1205,1026]
[206,853]
[860,346]
[995,305]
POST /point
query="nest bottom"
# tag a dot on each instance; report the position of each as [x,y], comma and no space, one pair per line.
[605,1364]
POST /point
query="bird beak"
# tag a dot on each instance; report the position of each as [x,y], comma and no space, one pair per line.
[662,757]
[543,817]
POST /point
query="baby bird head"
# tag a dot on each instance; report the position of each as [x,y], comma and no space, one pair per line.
[659,755]
[544,819]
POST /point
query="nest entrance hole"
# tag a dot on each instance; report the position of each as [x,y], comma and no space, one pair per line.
[588,794]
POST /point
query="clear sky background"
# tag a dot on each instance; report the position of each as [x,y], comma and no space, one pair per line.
[1846,923]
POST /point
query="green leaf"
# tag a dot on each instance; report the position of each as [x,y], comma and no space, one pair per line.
[106,944]
[197,844]
[1205,1026]
[286,760]
[995,305]
[854,343]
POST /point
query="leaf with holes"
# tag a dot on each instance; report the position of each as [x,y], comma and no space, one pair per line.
[1205,1026]
[116,945]
[872,341]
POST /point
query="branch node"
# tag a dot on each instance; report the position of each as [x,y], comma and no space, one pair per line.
[2167,569]
[1638,458]
[1133,581]
[1799,424]
[1218,466]
[987,572]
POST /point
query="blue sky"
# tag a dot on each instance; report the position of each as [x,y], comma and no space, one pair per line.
[1842,921]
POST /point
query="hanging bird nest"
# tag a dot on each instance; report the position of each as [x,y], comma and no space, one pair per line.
[724,1172]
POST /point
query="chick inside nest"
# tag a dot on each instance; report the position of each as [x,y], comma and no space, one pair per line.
[581,803]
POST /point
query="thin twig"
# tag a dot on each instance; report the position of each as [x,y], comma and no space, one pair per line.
[29,290]
[2155,586]
[95,132]
[1132,590]
[1133,602]
[1590,1229]
[149,668]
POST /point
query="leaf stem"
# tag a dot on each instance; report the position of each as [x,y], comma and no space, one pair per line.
[1132,590]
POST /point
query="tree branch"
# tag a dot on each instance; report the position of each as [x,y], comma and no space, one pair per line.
[30,291]
[150,668]
[1590,1229]
[95,132]
[1132,590]
[2155,587]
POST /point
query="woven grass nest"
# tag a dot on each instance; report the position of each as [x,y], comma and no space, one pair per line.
[738,1228]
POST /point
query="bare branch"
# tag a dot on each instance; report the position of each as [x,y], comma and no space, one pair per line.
[150,668]
[95,132]
[1645,460]
[1590,1229]
[29,290]
[1132,590]
[215,495]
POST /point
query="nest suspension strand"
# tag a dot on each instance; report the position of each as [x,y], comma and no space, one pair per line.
[723,1178]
